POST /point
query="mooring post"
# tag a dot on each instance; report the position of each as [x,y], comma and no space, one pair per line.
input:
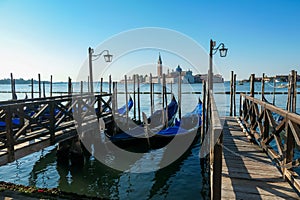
[179,95]
[134,99]
[9,134]
[126,100]
[40,90]
[114,107]
[44,89]
[101,85]
[13,87]
[274,89]
[32,89]
[203,117]
[139,103]
[51,86]
[263,87]
[151,94]
[81,87]
[69,86]
[116,97]
[234,95]
[163,101]
[288,103]
[290,141]
[109,84]
[52,121]
[231,94]
[252,80]
[166,99]
[113,99]
[99,99]
[294,74]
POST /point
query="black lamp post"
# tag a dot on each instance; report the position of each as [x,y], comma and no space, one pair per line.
[107,58]
[212,51]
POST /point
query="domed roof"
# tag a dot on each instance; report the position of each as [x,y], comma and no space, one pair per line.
[178,69]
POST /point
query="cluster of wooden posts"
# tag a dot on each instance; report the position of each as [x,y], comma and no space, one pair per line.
[41,87]
[59,123]
[264,123]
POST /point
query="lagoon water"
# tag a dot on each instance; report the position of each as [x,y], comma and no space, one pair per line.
[182,179]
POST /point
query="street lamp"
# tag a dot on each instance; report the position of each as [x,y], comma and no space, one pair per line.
[107,58]
[212,51]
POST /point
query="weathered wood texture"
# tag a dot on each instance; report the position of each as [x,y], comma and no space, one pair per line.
[32,124]
[247,172]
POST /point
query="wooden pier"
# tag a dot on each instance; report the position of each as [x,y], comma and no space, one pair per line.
[247,171]
[33,124]
[243,164]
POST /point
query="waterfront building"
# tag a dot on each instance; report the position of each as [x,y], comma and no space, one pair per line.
[172,77]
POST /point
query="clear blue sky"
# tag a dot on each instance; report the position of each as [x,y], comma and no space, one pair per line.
[52,37]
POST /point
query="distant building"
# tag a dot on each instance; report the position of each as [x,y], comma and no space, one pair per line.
[217,78]
[173,76]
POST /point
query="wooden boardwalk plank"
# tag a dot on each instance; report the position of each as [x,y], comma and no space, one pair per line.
[247,172]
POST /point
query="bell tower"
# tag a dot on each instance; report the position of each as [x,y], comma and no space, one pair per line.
[159,67]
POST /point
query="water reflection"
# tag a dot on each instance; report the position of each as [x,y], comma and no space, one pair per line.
[180,179]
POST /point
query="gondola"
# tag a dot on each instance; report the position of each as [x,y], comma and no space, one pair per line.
[137,135]
[185,129]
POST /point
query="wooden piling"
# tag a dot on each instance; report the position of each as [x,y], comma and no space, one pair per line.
[52,122]
[163,102]
[294,100]
[203,110]
[40,89]
[101,86]
[274,90]
[151,95]
[139,100]
[32,89]
[166,99]
[9,135]
[263,87]
[109,84]
[234,95]
[288,102]
[179,95]
[126,100]
[69,86]
[101,92]
[231,94]
[81,87]
[12,86]
[252,89]
[113,106]
[116,96]
[44,89]
[134,99]
[51,84]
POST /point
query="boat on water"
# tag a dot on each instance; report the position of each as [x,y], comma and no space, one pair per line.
[137,134]
[187,126]
[282,85]
[149,137]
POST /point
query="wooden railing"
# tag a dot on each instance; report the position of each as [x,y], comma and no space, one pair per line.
[27,120]
[212,132]
[270,124]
